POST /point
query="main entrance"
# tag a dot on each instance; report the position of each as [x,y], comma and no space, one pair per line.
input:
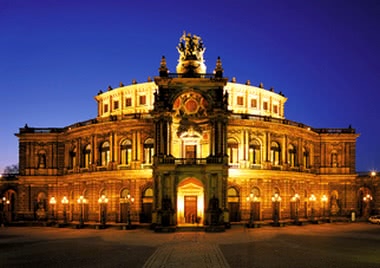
[190,202]
[191,209]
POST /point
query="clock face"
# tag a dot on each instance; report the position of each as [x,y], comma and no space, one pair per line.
[191,104]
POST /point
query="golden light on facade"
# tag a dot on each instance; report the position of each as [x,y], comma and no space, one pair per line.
[324,198]
[189,137]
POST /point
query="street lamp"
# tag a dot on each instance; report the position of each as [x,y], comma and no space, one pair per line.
[81,201]
[52,203]
[103,200]
[324,201]
[276,199]
[296,199]
[64,202]
[312,199]
[3,201]
[130,200]
[367,200]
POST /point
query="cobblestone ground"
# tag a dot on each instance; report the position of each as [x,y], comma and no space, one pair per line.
[187,250]
[325,245]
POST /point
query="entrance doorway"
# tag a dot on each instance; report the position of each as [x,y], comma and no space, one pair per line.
[190,202]
[191,209]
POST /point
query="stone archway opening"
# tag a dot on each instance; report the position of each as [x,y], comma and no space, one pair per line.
[190,202]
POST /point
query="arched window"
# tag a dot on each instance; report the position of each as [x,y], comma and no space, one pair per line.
[254,152]
[148,151]
[147,205]
[233,152]
[126,152]
[87,156]
[306,157]
[256,192]
[73,158]
[105,153]
[292,155]
[275,153]
[232,192]
[233,204]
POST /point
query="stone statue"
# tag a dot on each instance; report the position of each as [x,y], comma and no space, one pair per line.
[190,49]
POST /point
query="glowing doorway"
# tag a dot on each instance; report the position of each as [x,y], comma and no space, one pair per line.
[190,202]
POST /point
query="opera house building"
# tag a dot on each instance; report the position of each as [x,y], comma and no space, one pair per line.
[189,147]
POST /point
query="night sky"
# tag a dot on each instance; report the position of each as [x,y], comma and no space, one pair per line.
[322,54]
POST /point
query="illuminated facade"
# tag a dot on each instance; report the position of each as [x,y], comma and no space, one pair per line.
[189,147]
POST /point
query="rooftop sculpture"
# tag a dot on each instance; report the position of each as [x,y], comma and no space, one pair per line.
[191,49]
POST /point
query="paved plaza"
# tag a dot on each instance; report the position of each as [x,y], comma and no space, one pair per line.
[324,245]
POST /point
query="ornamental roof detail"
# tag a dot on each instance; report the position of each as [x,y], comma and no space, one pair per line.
[191,49]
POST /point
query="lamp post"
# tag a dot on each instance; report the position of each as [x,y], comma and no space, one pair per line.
[296,199]
[130,200]
[103,200]
[3,201]
[52,203]
[367,200]
[312,199]
[324,201]
[276,199]
[81,201]
[64,202]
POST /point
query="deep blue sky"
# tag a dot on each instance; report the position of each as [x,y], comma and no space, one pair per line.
[322,54]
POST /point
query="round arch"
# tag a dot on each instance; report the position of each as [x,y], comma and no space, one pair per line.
[233,200]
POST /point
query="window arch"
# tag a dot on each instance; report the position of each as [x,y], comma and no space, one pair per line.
[147,206]
[256,192]
[105,153]
[233,151]
[87,156]
[148,151]
[275,153]
[306,157]
[126,152]
[232,192]
[73,158]
[292,155]
[254,152]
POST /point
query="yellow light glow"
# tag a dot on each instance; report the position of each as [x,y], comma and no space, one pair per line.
[64,200]
[53,201]
[312,198]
